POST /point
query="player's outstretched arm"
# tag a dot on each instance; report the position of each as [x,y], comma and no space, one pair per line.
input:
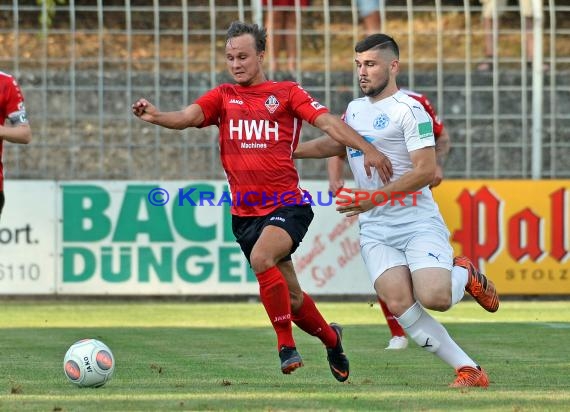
[191,116]
[342,133]
[318,148]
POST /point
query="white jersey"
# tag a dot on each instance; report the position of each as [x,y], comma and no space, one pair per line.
[396,125]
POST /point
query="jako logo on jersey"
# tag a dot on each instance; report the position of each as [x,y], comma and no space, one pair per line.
[253,129]
[381,122]
[236,101]
[316,105]
[279,218]
[272,104]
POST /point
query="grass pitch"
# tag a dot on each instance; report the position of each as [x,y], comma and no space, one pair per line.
[222,356]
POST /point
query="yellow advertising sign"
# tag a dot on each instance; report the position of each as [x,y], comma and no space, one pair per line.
[516,231]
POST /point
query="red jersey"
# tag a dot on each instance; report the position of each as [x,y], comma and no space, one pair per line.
[260,128]
[437,123]
[11,107]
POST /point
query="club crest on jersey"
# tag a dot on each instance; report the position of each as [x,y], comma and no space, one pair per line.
[381,122]
[272,104]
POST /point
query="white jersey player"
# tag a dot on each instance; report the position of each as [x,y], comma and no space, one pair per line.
[396,126]
[403,239]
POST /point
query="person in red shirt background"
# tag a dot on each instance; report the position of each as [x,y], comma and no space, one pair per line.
[16,129]
[259,125]
[335,167]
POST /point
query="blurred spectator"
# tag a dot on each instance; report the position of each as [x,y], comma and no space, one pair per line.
[369,14]
[281,24]
[487,18]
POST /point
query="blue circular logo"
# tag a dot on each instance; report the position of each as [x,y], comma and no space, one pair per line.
[381,122]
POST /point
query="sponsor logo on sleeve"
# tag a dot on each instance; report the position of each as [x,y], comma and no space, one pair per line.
[316,105]
[425,130]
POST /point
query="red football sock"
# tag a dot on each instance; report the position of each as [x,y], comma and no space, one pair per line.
[395,328]
[274,294]
[310,320]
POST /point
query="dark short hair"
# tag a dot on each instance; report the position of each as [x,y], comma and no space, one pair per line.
[378,41]
[238,28]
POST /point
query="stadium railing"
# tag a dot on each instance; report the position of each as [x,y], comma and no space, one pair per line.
[81,72]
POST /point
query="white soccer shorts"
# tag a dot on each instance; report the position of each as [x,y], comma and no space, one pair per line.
[418,245]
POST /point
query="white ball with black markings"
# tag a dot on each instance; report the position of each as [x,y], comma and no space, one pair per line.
[89,363]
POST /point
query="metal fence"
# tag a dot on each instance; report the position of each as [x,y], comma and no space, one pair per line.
[81,72]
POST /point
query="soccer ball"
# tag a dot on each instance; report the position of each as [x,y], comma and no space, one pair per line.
[89,363]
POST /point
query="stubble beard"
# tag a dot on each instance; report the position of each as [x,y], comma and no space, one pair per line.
[375,91]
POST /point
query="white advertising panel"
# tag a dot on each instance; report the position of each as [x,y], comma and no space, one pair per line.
[171,238]
[328,260]
[155,238]
[175,238]
[27,238]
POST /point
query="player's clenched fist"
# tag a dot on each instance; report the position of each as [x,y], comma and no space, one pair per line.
[144,109]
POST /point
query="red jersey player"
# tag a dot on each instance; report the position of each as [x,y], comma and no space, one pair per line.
[260,123]
[18,129]
[336,182]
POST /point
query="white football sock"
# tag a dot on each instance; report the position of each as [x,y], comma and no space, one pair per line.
[432,336]
[458,282]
